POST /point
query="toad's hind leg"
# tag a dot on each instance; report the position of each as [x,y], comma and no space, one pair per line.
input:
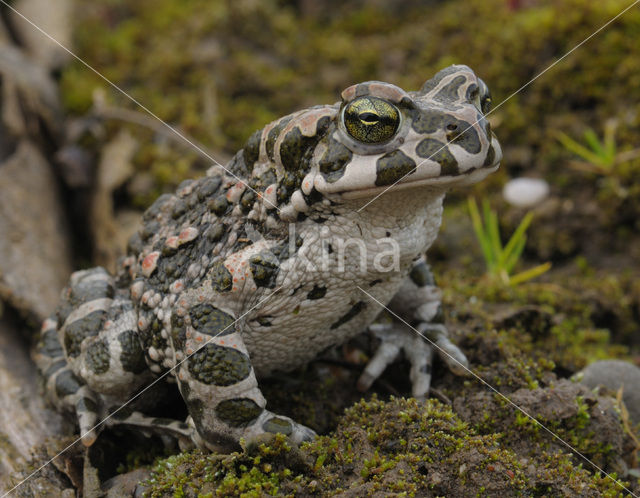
[64,388]
[218,382]
[91,346]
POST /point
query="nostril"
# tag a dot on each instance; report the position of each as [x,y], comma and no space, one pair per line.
[452,127]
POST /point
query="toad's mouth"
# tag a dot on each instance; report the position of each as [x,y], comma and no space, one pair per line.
[362,178]
[411,182]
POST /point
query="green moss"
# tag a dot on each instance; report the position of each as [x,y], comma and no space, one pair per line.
[256,473]
[399,446]
[559,325]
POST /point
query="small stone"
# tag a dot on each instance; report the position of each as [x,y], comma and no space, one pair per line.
[525,192]
[614,374]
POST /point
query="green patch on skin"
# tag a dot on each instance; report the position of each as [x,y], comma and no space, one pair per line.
[277,425]
[264,269]
[421,275]
[49,344]
[334,159]
[178,331]
[209,320]
[251,149]
[67,383]
[437,151]
[132,356]
[219,205]
[317,292]
[86,405]
[208,187]
[78,330]
[392,167]
[219,365]
[247,200]
[221,280]
[450,91]
[238,412]
[97,357]
[293,147]
[491,155]
[273,135]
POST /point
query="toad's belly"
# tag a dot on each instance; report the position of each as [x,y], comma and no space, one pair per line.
[290,332]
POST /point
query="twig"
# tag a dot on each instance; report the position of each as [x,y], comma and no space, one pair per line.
[102,110]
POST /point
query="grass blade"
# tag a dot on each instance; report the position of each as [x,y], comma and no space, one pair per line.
[515,238]
[511,261]
[479,229]
[610,138]
[529,274]
[493,232]
[580,150]
[594,142]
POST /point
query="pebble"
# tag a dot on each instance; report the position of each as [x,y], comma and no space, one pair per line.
[613,374]
[525,192]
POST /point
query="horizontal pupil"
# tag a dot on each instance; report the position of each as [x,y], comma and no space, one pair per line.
[369,117]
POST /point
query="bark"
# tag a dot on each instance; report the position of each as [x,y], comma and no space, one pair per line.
[25,420]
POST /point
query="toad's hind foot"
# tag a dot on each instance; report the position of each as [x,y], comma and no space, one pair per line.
[169,430]
[451,354]
[418,301]
[418,347]
[394,339]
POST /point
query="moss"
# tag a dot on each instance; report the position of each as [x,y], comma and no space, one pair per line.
[256,473]
[570,321]
[399,446]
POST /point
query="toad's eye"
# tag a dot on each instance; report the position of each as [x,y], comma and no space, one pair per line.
[371,120]
[485,97]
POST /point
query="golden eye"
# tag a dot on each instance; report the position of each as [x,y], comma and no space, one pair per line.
[485,97]
[371,120]
[485,103]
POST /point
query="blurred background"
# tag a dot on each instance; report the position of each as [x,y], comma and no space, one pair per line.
[80,161]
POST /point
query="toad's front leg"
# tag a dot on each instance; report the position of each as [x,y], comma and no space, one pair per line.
[218,383]
[418,303]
